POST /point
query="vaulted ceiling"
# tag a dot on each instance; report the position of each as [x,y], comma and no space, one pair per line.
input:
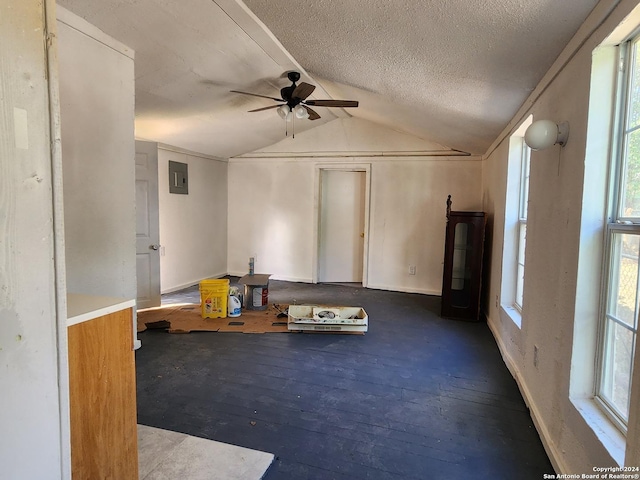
[453,72]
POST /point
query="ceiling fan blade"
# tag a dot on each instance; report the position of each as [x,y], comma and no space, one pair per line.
[258,95]
[303,90]
[313,115]
[264,108]
[332,103]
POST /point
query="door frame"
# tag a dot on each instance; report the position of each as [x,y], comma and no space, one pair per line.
[317,198]
[153,211]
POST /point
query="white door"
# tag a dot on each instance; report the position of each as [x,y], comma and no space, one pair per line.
[147,225]
[341,236]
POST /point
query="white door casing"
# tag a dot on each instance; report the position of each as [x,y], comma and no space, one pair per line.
[147,225]
[342,225]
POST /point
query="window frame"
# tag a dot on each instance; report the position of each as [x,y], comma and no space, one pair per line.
[617,224]
[514,205]
[523,207]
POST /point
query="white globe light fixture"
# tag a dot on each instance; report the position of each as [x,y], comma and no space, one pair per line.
[285,112]
[300,112]
[546,133]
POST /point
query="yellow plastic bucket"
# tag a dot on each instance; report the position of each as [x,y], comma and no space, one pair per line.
[213,297]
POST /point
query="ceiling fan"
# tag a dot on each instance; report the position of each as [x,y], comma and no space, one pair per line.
[294,100]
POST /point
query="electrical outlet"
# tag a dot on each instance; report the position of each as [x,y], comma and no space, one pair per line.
[162,250]
[255,257]
[535,356]
[497,302]
[412,269]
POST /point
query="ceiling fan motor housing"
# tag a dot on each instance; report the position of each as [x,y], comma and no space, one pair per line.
[293,76]
[287,95]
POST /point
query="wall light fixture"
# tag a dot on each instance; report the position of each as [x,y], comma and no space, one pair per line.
[543,134]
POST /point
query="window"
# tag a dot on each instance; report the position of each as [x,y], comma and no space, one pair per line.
[619,317]
[515,224]
[522,223]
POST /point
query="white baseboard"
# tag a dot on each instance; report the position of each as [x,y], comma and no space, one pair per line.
[276,277]
[237,274]
[389,288]
[286,278]
[190,284]
[394,288]
[549,446]
[292,279]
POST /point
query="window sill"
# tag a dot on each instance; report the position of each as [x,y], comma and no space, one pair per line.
[608,434]
[512,313]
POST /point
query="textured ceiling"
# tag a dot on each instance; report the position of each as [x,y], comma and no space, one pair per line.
[448,71]
[452,71]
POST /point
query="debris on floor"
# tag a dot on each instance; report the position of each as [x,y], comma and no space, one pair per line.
[187,318]
[328,319]
[277,318]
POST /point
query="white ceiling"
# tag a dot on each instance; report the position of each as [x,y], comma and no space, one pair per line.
[452,72]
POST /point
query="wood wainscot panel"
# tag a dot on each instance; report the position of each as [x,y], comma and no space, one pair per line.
[103,398]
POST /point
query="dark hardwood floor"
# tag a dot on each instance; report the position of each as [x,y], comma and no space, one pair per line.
[417,397]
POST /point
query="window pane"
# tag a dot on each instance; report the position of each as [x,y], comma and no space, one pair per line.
[631,180]
[617,367]
[520,286]
[623,286]
[460,239]
[634,89]
[522,240]
[457,275]
[524,182]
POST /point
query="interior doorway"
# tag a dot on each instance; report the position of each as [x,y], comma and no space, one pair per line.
[342,225]
[147,226]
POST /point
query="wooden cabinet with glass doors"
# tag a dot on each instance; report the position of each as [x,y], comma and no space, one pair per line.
[462,275]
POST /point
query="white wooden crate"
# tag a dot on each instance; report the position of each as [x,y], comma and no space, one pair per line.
[311,314]
[314,318]
[327,327]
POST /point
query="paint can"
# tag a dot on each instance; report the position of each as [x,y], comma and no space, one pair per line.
[256,297]
[256,291]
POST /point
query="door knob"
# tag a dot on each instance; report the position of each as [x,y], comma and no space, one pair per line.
[154,247]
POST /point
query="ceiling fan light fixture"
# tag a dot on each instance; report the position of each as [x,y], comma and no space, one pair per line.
[284,112]
[300,112]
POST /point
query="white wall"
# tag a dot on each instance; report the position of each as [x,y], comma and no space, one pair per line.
[34,440]
[553,240]
[98,152]
[352,136]
[408,218]
[193,227]
[271,215]
[273,208]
